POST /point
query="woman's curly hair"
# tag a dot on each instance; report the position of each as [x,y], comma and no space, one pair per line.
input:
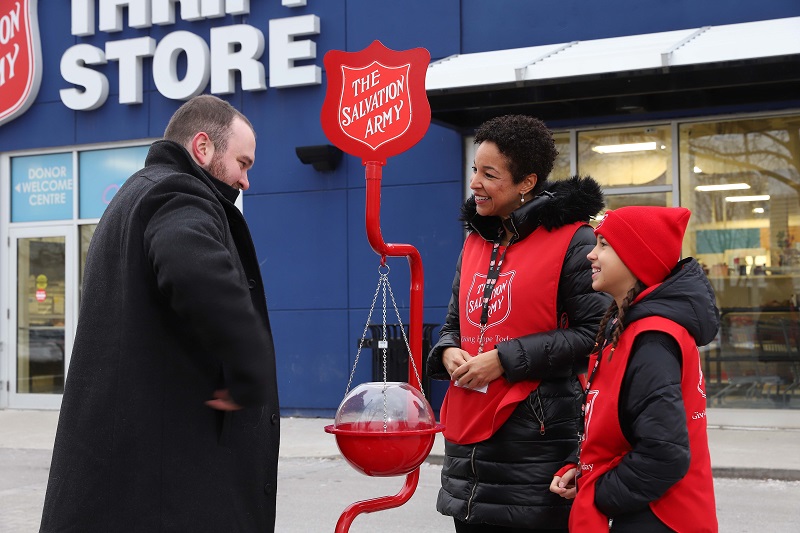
[525,141]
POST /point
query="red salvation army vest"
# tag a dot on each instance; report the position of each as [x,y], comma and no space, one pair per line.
[523,302]
[689,505]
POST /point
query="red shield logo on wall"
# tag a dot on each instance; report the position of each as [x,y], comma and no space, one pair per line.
[376,105]
[20,58]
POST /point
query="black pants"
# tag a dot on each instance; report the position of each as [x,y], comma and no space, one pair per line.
[463,527]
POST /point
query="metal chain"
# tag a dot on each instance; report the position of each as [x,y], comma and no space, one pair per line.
[366,327]
[405,339]
[383,343]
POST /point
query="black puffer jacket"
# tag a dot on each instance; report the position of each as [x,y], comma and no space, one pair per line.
[504,480]
[651,411]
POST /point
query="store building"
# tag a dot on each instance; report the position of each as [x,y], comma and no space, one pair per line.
[686,103]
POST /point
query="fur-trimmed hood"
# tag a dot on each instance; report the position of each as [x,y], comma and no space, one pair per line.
[561,202]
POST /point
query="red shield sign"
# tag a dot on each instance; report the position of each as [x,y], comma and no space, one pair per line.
[375,105]
[20,58]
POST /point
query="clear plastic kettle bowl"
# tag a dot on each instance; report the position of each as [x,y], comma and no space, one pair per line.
[384,429]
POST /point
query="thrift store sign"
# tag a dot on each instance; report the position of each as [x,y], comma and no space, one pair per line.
[182,62]
[20,58]
[376,105]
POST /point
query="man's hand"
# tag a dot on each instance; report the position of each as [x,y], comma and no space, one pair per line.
[222,401]
[478,371]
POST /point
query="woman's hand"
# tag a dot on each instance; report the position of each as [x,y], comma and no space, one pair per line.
[564,485]
[453,357]
[478,371]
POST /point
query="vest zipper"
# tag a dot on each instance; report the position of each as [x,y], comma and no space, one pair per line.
[474,485]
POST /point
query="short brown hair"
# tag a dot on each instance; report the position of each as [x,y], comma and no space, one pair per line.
[206,113]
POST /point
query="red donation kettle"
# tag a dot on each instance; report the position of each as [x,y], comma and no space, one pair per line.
[384,428]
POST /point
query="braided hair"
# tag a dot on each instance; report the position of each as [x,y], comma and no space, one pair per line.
[619,312]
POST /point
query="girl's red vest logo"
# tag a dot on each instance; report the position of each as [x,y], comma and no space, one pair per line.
[20,58]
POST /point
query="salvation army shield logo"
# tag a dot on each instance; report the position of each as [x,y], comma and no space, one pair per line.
[375,104]
[499,306]
[20,58]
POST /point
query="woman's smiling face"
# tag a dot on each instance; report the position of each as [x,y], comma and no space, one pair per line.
[492,184]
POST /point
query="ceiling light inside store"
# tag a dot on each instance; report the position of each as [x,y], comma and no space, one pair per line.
[723,187]
[758,210]
[757,198]
[619,148]
[697,170]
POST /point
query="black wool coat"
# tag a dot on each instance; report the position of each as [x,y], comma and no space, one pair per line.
[172,309]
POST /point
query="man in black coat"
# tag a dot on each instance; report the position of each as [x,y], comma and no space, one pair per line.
[170,418]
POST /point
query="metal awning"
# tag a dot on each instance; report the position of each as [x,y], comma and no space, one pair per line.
[694,59]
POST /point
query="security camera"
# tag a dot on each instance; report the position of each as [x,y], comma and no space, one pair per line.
[323,157]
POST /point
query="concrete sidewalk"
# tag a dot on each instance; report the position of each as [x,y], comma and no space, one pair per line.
[744,443]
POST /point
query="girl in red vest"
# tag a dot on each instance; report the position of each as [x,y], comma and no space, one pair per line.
[519,328]
[644,463]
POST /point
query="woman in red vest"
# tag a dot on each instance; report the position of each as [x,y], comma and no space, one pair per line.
[519,327]
[644,463]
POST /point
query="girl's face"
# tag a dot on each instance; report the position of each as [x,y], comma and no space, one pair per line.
[494,189]
[609,273]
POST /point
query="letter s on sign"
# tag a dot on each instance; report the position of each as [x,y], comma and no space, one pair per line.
[95,84]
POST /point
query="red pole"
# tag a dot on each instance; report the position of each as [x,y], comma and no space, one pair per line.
[373,223]
[378,504]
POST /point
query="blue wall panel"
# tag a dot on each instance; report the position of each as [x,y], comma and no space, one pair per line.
[286,119]
[54,31]
[424,216]
[43,125]
[502,24]
[412,24]
[302,247]
[93,126]
[436,157]
[313,360]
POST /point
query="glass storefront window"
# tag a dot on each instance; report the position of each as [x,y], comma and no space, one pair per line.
[742,183]
[627,157]
[40,315]
[615,201]
[102,173]
[561,167]
[741,180]
[86,232]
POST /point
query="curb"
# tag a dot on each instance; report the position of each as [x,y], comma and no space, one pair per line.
[776,474]
[722,472]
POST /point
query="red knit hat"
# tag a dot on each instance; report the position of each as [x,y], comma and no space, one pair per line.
[647,239]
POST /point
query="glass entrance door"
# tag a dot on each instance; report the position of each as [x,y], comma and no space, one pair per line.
[41,317]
